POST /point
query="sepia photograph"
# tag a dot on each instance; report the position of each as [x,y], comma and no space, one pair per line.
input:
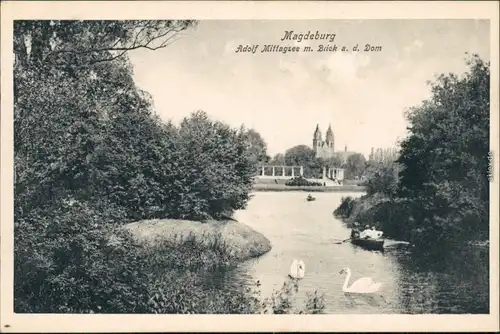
[261,166]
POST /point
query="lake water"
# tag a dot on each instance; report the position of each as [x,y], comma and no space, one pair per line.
[453,282]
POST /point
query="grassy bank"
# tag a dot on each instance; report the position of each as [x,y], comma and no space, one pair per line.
[196,251]
[282,187]
[239,240]
[79,260]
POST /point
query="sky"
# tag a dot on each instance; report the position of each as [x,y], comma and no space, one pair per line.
[362,95]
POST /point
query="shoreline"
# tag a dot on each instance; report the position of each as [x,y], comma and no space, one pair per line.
[359,211]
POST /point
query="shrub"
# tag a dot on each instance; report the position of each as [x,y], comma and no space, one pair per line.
[214,175]
[345,208]
[302,182]
[315,303]
[70,262]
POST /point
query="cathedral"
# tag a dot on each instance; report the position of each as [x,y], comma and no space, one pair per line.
[324,149]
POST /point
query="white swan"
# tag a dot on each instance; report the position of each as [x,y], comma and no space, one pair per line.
[297,269]
[362,285]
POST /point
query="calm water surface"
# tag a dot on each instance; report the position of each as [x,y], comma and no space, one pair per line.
[412,283]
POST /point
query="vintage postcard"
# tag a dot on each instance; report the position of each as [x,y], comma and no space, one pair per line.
[249,166]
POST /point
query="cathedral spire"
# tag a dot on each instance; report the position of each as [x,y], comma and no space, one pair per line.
[329,134]
[317,133]
[317,139]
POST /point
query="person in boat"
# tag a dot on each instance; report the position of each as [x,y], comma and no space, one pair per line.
[375,232]
[366,233]
[371,232]
[355,231]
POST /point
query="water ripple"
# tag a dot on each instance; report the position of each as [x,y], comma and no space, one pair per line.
[305,230]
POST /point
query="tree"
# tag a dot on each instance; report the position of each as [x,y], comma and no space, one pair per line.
[257,147]
[355,166]
[299,155]
[75,44]
[278,159]
[215,174]
[445,158]
[73,85]
[334,161]
[303,155]
[383,179]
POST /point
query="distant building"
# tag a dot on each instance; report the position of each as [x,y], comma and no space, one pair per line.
[326,149]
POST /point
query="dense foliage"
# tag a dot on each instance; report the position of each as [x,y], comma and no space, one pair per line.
[90,156]
[445,159]
[70,262]
[438,188]
[303,155]
[278,159]
[355,166]
[382,178]
[257,147]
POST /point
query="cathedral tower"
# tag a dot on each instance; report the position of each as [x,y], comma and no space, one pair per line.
[329,138]
[323,149]
[317,140]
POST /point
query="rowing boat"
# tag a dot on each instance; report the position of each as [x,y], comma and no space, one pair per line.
[370,244]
